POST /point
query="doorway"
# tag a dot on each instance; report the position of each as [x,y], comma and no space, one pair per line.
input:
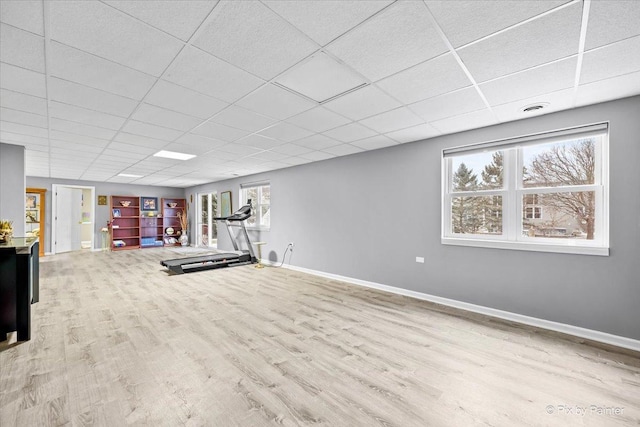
[73,215]
[207,229]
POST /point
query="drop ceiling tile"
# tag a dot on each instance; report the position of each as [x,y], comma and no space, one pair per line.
[21,139]
[22,80]
[466,21]
[151,131]
[108,33]
[291,149]
[131,148]
[415,133]
[129,155]
[218,131]
[324,21]
[82,140]
[610,61]
[270,156]
[609,89]
[23,102]
[199,142]
[183,100]
[350,132]
[240,118]
[375,142]
[363,103]
[317,156]
[29,119]
[320,78]
[536,81]
[82,115]
[142,141]
[315,142]
[371,51]
[557,101]
[611,21]
[23,14]
[240,149]
[285,132]
[82,129]
[219,155]
[250,36]
[21,48]
[258,141]
[434,77]
[92,99]
[295,161]
[23,129]
[399,118]
[275,102]
[476,119]
[191,148]
[178,18]
[77,66]
[449,104]
[534,43]
[343,150]
[194,69]
[318,119]
[162,117]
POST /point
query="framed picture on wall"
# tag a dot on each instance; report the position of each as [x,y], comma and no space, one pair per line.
[32,216]
[31,202]
[102,200]
[116,213]
[225,204]
[149,203]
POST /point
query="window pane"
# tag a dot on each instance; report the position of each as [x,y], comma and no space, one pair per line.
[251,193]
[478,171]
[266,215]
[265,195]
[476,215]
[567,215]
[562,163]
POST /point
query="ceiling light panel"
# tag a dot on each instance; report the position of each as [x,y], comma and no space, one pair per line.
[21,80]
[183,100]
[174,155]
[469,20]
[610,21]
[92,99]
[324,21]
[99,29]
[318,119]
[250,36]
[431,78]
[320,78]
[612,60]
[178,18]
[275,102]
[371,51]
[449,104]
[23,14]
[194,69]
[22,48]
[77,66]
[23,102]
[363,103]
[545,79]
[162,117]
[534,43]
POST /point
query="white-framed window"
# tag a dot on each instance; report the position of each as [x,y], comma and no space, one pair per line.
[545,192]
[260,196]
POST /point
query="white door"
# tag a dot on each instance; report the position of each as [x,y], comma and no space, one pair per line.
[68,219]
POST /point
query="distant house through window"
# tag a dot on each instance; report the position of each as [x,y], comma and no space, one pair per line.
[545,192]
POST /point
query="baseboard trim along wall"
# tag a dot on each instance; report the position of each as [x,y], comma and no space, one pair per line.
[577,331]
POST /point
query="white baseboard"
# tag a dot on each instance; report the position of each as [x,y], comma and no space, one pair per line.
[577,331]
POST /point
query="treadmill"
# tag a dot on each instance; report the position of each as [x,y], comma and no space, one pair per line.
[228,259]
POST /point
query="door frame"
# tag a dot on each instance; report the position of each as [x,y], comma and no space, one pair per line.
[54,214]
[210,216]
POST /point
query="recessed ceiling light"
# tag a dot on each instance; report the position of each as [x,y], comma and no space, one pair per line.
[534,107]
[129,175]
[174,155]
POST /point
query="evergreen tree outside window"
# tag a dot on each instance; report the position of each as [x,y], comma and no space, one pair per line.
[544,192]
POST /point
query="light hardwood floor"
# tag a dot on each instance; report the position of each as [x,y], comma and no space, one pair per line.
[117,341]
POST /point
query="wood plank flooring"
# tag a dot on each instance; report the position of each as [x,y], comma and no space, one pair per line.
[117,341]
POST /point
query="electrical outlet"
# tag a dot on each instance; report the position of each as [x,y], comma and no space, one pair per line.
[291,245]
[420,259]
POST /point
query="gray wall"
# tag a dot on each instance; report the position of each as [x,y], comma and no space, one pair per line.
[12,186]
[367,216]
[102,213]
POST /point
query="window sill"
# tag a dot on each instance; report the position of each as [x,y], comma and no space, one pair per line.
[527,246]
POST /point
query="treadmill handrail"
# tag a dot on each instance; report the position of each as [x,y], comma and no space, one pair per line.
[240,215]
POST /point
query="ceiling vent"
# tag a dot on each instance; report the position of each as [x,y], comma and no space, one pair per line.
[534,107]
